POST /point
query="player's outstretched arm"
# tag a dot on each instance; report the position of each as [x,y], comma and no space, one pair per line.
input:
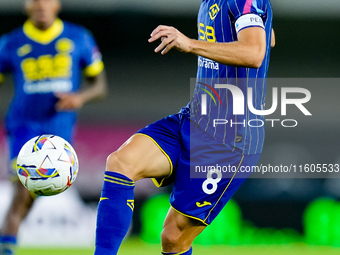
[170,38]
[95,88]
[247,51]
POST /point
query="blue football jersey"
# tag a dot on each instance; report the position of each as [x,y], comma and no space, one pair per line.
[43,63]
[220,21]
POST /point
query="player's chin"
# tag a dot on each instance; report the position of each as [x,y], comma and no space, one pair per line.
[62,109]
[41,19]
[68,109]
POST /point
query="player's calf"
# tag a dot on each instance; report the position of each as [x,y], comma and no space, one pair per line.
[115,211]
[116,205]
[138,158]
[174,243]
[21,203]
[179,232]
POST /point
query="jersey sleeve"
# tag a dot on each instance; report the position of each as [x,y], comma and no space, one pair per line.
[91,58]
[5,63]
[247,13]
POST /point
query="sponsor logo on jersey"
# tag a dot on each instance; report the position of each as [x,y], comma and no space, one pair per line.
[238,139]
[207,63]
[213,11]
[205,203]
[131,203]
[24,50]
[64,45]
[47,67]
[52,86]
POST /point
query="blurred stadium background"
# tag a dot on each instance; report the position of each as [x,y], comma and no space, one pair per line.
[145,87]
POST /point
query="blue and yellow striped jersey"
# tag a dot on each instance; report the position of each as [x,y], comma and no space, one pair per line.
[220,21]
[46,62]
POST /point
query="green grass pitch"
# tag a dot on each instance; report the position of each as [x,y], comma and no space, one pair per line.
[135,246]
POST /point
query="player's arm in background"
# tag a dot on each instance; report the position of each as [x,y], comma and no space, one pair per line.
[248,51]
[94,88]
[95,85]
[5,61]
[273,41]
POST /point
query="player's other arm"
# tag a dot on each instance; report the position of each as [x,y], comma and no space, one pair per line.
[248,51]
[5,57]
[2,78]
[273,41]
[95,88]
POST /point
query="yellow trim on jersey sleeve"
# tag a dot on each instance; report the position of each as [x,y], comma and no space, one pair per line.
[40,36]
[2,78]
[94,69]
[157,184]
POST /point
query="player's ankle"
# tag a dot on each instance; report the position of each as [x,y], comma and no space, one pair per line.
[188,252]
[8,245]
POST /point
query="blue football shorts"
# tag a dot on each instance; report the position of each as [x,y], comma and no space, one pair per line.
[19,132]
[205,173]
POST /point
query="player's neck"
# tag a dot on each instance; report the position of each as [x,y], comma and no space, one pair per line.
[43,26]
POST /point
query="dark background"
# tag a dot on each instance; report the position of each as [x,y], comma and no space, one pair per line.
[145,86]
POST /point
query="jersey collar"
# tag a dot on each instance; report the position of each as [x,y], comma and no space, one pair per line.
[43,37]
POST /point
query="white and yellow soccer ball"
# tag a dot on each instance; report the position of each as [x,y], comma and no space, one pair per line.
[47,165]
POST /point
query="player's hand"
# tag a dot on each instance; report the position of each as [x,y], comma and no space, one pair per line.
[69,101]
[170,38]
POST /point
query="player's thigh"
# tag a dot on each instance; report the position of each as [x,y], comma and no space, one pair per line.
[139,157]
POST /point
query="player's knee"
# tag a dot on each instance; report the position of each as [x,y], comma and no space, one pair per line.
[119,163]
[115,163]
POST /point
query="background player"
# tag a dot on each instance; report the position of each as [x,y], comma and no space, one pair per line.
[235,37]
[46,57]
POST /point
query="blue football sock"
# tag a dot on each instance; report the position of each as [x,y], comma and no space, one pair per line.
[188,252]
[7,245]
[114,213]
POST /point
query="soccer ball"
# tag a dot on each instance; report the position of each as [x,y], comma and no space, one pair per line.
[47,165]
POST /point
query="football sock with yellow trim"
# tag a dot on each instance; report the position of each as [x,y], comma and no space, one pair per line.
[188,252]
[114,213]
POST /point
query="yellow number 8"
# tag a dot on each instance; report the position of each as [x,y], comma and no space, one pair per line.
[207,34]
[210,32]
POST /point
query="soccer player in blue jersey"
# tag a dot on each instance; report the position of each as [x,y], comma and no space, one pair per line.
[233,48]
[46,57]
